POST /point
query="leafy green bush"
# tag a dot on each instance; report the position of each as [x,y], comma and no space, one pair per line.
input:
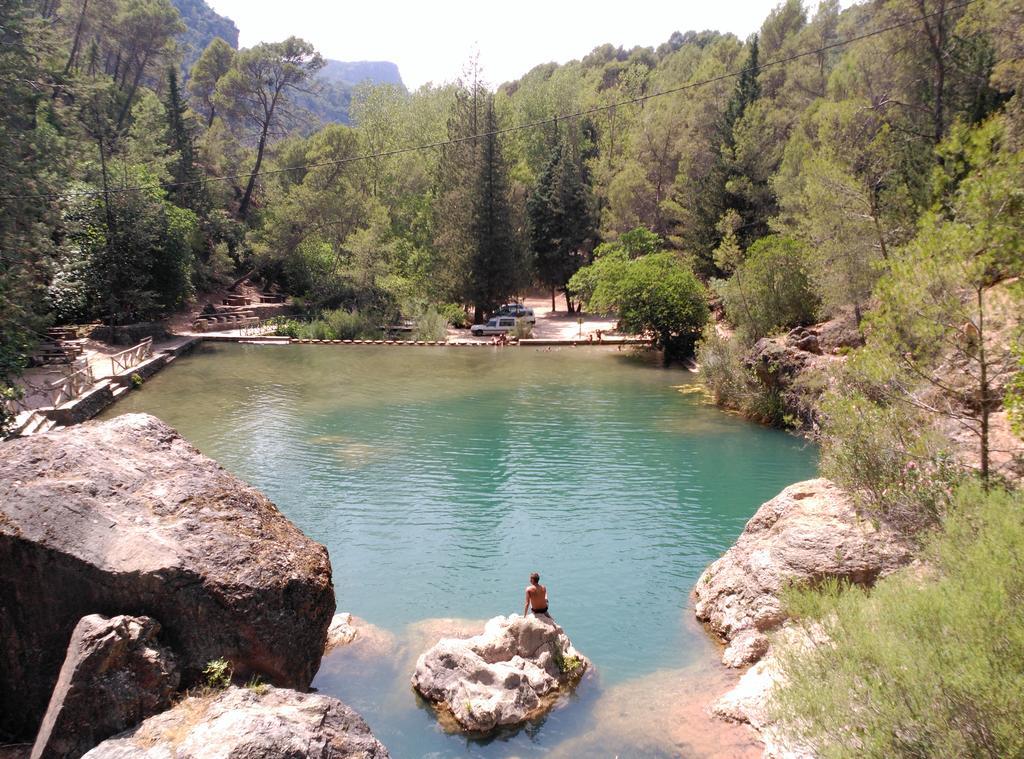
[887,456]
[287,327]
[655,294]
[339,324]
[217,674]
[770,290]
[431,326]
[454,314]
[930,667]
[523,330]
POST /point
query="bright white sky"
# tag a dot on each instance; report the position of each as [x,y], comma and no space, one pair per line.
[432,41]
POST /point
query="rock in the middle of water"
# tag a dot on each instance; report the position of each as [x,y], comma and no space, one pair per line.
[510,673]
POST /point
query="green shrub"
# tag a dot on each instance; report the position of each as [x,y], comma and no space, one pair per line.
[730,383]
[522,331]
[431,326]
[920,667]
[287,327]
[770,290]
[454,314]
[721,369]
[217,674]
[341,324]
[656,294]
[888,457]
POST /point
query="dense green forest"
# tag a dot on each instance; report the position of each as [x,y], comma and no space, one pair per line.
[793,173]
[862,164]
[805,171]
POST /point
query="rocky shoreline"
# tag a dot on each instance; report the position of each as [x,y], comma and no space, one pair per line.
[153,561]
[810,532]
[143,583]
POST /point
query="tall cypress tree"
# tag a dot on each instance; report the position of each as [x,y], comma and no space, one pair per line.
[748,89]
[560,221]
[496,257]
[455,197]
[186,188]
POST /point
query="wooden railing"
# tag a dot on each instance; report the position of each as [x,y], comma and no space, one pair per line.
[72,386]
[126,359]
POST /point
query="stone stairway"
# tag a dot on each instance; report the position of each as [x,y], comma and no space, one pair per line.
[97,397]
[31,423]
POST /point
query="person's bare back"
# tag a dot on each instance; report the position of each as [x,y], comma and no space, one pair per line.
[536,596]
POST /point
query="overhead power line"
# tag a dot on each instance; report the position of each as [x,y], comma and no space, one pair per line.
[506,130]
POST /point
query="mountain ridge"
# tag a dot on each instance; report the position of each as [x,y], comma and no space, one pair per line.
[338,79]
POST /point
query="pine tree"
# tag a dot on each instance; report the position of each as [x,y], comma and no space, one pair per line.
[561,222]
[747,91]
[496,260]
[186,188]
[453,207]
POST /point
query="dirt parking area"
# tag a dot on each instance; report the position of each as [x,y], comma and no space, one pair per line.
[553,325]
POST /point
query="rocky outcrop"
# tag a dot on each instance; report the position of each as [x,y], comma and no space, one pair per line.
[125,517]
[115,675]
[252,723]
[795,367]
[510,673]
[808,532]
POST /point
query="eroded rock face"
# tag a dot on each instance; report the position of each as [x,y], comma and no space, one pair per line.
[510,673]
[125,517]
[797,366]
[241,722]
[808,532]
[114,676]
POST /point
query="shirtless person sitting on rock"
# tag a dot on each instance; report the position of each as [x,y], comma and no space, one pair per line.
[536,597]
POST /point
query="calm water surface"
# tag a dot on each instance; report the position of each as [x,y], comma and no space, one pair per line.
[440,478]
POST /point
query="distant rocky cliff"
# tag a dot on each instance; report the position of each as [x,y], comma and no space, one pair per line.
[337,81]
[356,72]
[337,84]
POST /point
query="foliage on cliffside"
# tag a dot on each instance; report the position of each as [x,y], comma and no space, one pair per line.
[920,666]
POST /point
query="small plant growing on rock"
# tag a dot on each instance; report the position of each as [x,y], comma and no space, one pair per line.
[567,665]
[218,674]
[256,685]
[137,380]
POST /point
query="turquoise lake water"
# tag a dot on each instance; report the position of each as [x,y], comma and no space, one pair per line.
[439,479]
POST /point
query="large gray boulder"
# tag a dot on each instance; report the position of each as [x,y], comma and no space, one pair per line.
[115,675]
[808,532]
[125,517]
[244,723]
[512,672]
